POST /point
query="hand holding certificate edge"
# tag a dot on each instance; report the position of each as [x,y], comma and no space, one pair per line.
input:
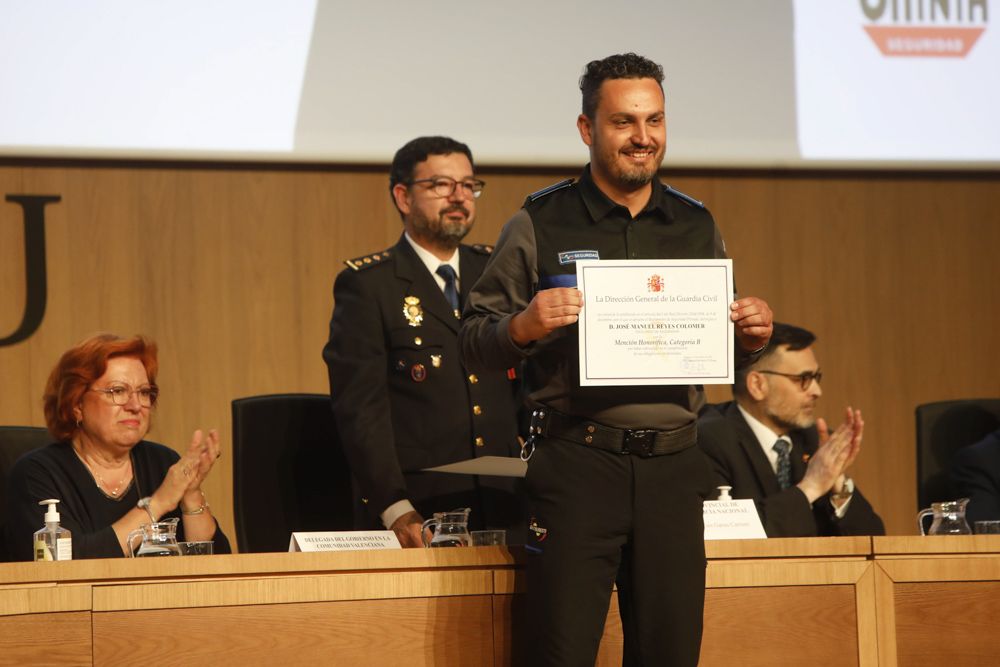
[753,322]
[553,308]
[549,309]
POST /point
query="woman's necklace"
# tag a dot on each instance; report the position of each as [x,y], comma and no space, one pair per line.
[103,486]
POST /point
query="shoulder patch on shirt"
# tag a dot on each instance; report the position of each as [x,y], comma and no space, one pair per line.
[571,256]
[535,196]
[368,261]
[683,197]
[482,248]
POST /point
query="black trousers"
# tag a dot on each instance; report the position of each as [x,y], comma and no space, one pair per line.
[587,509]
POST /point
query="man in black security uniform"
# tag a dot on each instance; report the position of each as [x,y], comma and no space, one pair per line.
[614,477]
[401,397]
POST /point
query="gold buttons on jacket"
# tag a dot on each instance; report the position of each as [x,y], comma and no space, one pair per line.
[473,379]
[476,410]
[480,442]
[418,341]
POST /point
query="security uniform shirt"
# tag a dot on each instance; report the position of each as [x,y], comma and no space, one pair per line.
[537,250]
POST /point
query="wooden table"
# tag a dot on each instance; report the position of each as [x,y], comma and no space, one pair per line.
[938,600]
[812,601]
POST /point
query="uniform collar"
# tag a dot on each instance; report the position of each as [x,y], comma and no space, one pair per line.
[431,261]
[600,205]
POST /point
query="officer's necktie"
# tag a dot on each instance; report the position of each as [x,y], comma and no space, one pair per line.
[784,463]
[450,292]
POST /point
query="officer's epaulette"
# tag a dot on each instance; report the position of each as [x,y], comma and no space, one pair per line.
[683,197]
[368,261]
[535,196]
[482,248]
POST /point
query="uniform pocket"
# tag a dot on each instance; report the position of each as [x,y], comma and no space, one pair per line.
[412,352]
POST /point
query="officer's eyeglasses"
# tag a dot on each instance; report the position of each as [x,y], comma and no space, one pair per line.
[804,379]
[121,394]
[443,186]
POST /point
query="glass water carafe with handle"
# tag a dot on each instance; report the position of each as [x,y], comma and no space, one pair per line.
[158,539]
[949,518]
[449,529]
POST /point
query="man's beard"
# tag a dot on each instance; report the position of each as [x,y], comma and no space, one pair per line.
[443,231]
[636,178]
[800,420]
[632,177]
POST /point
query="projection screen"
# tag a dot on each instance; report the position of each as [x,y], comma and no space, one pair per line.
[793,83]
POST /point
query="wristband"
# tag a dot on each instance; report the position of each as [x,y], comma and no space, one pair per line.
[204,506]
[197,511]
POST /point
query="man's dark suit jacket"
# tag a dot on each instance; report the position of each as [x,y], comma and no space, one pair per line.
[975,474]
[402,399]
[738,460]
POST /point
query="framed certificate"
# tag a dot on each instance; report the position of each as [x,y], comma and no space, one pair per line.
[656,321]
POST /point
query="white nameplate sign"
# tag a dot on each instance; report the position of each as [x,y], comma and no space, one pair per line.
[732,520]
[344,540]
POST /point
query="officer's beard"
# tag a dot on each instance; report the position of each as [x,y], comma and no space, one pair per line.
[442,232]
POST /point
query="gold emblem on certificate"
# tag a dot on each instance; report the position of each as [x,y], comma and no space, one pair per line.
[412,311]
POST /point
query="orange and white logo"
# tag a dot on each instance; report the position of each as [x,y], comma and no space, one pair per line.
[655,283]
[925,28]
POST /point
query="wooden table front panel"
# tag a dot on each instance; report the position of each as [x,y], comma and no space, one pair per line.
[60,638]
[780,625]
[416,631]
[947,623]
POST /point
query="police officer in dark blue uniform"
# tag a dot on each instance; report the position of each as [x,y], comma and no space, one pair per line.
[403,401]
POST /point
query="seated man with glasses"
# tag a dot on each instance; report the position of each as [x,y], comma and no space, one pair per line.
[769,446]
[402,399]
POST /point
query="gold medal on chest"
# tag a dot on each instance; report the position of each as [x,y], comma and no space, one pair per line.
[412,311]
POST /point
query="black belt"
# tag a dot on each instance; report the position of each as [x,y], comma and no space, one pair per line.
[645,443]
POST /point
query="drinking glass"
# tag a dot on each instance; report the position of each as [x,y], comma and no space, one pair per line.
[987,527]
[489,538]
[195,548]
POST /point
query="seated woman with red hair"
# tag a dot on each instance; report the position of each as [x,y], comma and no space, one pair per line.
[109,481]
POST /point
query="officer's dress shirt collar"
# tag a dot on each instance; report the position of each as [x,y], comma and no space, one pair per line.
[432,263]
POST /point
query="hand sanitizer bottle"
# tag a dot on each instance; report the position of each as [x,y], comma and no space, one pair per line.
[53,542]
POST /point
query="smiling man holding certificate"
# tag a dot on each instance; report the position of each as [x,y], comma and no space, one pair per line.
[613,477]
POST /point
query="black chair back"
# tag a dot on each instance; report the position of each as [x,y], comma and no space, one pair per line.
[943,428]
[15,441]
[289,472]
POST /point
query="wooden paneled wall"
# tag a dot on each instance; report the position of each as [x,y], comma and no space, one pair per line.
[230,269]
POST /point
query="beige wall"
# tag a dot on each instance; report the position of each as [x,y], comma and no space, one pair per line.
[230,270]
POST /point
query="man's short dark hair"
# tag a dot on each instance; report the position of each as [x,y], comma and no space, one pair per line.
[416,151]
[620,66]
[784,335]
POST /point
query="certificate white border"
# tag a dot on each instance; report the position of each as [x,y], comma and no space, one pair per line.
[725,266]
